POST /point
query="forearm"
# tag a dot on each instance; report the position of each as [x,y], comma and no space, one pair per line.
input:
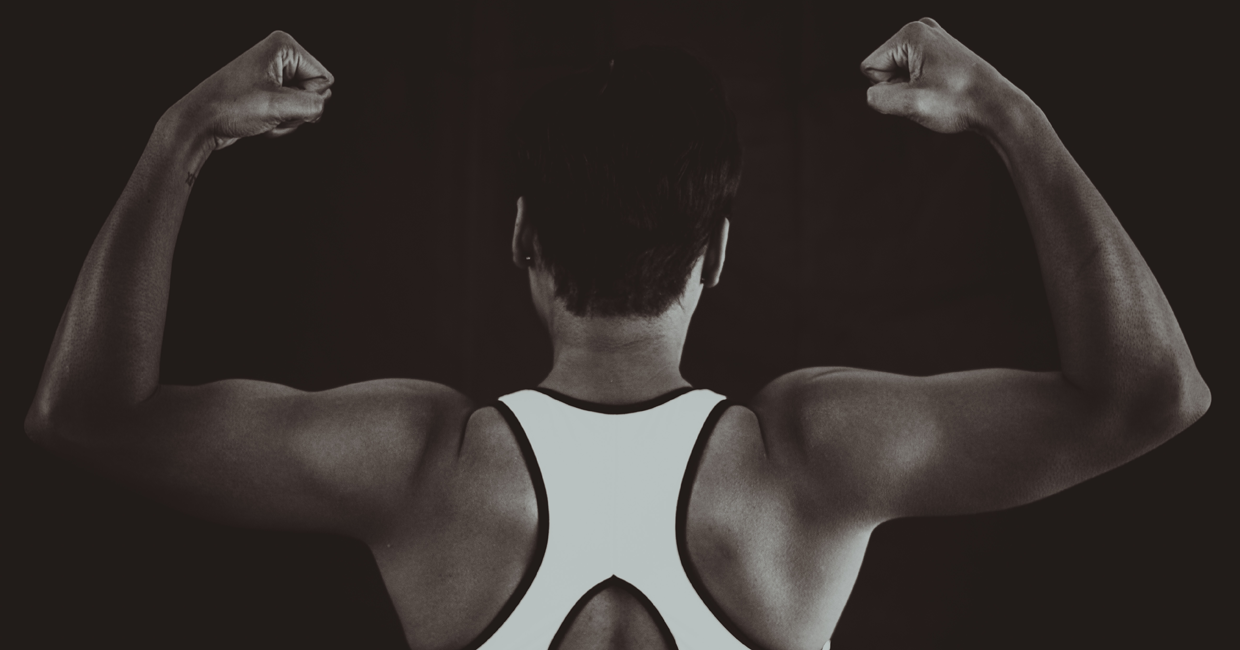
[105,355]
[1119,341]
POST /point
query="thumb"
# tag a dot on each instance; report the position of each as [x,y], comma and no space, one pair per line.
[297,105]
[316,84]
[898,98]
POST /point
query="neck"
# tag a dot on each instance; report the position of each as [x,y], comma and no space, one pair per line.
[616,360]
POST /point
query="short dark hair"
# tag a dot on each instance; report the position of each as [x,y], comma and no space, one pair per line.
[626,171]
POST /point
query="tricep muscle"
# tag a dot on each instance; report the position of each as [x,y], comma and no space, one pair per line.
[260,454]
[891,445]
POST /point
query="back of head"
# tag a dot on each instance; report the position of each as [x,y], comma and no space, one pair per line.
[626,172]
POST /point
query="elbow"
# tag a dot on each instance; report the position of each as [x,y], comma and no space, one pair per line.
[1166,405]
[1194,403]
[1187,401]
[55,425]
[65,421]
[41,421]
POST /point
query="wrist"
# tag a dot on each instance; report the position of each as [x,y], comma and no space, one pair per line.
[180,143]
[182,138]
[1008,118]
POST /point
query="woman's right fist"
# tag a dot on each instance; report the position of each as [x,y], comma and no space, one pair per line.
[924,74]
[270,89]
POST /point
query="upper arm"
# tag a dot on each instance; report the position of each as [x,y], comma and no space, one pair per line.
[881,445]
[259,454]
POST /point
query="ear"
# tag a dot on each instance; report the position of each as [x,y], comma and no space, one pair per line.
[716,249]
[522,238]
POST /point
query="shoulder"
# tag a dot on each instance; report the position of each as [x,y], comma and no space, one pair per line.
[820,428]
[428,408]
[406,408]
[817,401]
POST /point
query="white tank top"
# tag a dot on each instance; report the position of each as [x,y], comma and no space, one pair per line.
[612,484]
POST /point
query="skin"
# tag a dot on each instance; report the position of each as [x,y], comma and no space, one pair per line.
[790,485]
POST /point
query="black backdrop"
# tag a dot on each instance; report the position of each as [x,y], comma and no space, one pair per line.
[375,244]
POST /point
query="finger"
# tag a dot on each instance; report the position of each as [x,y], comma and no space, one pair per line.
[297,105]
[887,62]
[298,67]
[310,68]
[280,131]
[898,58]
[894,98]
[315,84]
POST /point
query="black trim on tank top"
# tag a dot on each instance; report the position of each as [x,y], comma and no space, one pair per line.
[682,524]
[614,409]
[614,581]
[540,542]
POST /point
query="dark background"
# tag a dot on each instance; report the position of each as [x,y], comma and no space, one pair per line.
[375,244]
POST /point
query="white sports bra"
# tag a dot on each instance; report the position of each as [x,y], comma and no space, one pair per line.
[612,484]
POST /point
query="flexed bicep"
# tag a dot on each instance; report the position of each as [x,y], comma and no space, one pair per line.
[954,443]
[264,455]
[988,439]
[235,451]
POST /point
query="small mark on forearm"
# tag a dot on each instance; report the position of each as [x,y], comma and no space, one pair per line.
[189,179]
